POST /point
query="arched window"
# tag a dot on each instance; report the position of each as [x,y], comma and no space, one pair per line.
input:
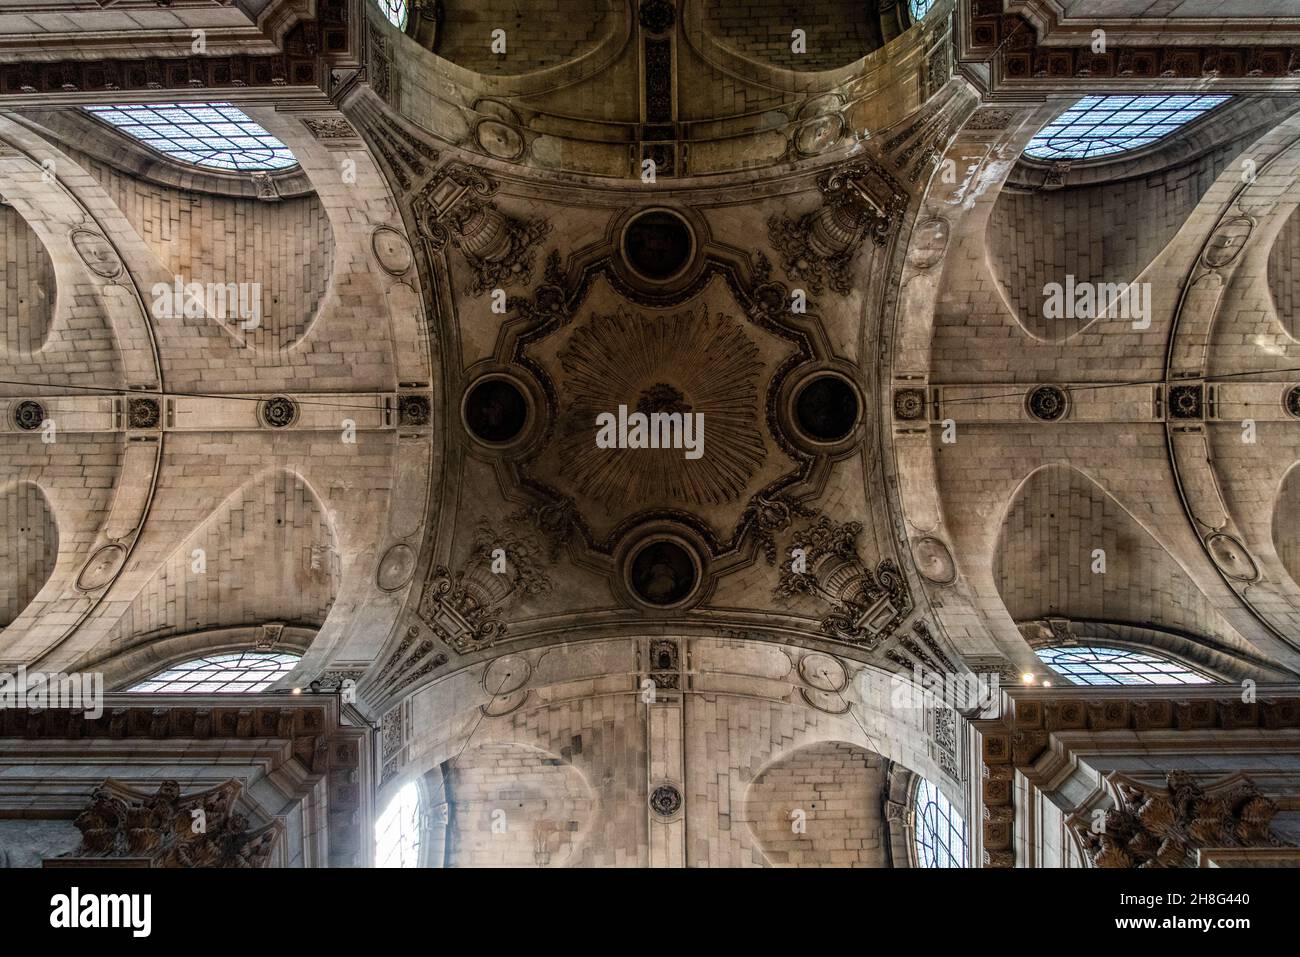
[940,831]
[919,9]
[1100,665]
[396,11]
[238,672]
[397,831]
[1105,125]
[215,135]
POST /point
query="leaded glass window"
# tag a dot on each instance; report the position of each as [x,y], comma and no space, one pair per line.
[239,672]
[1105,125]
[396,11]
[1100,665]
[940,831]
[397,831]
[920,8]
[215,135]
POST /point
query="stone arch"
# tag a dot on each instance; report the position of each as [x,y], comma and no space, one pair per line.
[756,48]
[29,547]
[27,285]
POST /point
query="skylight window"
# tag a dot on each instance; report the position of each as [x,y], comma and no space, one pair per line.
[240,672]
[1099,665]
[215,135]
[1099,126]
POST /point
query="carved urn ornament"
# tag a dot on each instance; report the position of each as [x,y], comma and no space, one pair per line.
[866,606]
[463,607]
[859,201]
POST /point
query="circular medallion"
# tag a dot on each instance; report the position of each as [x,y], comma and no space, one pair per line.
[1228,241]
[934,561]
[666,800]
[658,245]
[1231,557]
[1185,401]
[391,250]
[929,240]
[28,415]
[102,567]
[663,572]
[823,672]
[97,253]
[413,410]
[909,404]
[506,675]
[819,134]
[497,139]
[826,408]
[1292,401]
[277,413]
[142,413]
[495,410]
[1047,403]
[396,567]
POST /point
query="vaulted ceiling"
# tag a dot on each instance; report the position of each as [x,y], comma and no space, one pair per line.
[839,261]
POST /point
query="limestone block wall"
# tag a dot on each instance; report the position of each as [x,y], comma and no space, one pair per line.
[29,547]
[1284,275]
[286,246]
[1104,233]
[838,31]
[267,553]
[544,34]
[1045,561]
[27,287]
[833,790]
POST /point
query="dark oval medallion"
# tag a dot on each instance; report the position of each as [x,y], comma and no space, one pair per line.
[665,800]
[29,415]
[658,245]
[663,573]
[279,412]
[826,408]
[657,15]
[1047,403]
[496,411]
[142,413]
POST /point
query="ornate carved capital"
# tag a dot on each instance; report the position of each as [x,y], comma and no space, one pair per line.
[1166,826]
